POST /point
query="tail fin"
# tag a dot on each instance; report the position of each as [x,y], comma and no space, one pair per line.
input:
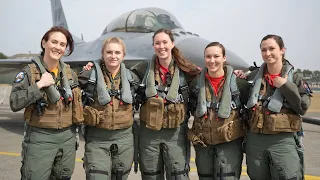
[58,17]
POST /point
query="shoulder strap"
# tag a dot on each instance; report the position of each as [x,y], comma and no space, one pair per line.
[183,86]
[68,71]
[92,81]
[146,74]
[235,93]
[51,91]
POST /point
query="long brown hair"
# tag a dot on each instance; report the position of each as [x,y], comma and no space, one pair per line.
[184,64]
[64,32]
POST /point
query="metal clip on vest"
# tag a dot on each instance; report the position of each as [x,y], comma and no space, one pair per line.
[40,106]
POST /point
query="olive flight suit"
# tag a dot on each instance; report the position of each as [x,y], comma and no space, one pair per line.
[109,148]
[219,154]
[163,146]
[271,150]
[49,144]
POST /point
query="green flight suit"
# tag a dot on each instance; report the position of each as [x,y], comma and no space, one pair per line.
[275,156]
[46,153]
[224,160]
[166,151]
[109,154]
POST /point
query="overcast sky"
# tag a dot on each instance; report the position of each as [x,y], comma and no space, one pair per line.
[238,24]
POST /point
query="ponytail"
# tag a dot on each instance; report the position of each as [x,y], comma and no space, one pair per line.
[184,64]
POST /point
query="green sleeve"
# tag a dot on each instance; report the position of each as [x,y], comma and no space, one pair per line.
[193,83]
[75,77]
[22,93]
[83,78]
[140,69]
[135,77]
[244,90]
[296,95]
[253,74]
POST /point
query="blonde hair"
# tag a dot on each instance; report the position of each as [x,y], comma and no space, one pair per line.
[114,40]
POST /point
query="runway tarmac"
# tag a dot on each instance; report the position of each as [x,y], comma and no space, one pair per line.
[11,134]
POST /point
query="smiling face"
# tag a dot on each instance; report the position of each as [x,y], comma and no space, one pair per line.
[214,59]
[113,55]
[163,45]
[271,52]
[55,46]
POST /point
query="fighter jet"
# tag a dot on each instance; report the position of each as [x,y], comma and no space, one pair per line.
[136,29]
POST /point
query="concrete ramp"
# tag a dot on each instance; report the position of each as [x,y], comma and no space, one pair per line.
[4,94]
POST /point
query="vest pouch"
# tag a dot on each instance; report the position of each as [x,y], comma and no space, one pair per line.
[154,113]
[225,132]
[232,130]
[282,122]
[28,112]
[175,114]
[77,109]
[256,121]
[91,116]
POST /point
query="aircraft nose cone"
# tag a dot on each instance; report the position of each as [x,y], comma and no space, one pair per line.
[193,49]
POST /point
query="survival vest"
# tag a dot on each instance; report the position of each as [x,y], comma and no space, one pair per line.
[112,107]
[270,114]
[217,119]
[56,115]
[165,106]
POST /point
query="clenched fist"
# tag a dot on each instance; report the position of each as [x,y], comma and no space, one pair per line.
[45,81]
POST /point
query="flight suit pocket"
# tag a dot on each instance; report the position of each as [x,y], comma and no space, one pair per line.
[154,113]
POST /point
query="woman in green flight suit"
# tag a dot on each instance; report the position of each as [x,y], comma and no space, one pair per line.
[218,127]
[276,103]
[49,145]
[108,114]
[163,147]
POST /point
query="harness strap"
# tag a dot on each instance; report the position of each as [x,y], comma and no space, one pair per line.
[152,173]
[94,171]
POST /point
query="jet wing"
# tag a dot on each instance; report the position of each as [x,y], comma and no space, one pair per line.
[74,62]
[10,67]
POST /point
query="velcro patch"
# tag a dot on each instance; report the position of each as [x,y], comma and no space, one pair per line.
[20,76]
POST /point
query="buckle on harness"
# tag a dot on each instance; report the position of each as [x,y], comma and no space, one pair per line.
[217,106]
[183,88]
[180,98]
[93,82]
[233,105]
[113,92]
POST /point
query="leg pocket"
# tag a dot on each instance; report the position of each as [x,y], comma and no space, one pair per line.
[97,162]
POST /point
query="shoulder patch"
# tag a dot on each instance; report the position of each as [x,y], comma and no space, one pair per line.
[306,87]
[20,76]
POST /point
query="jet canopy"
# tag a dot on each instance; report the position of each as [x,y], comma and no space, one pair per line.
[143,20]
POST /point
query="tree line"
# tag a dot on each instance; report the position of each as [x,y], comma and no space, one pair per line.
[3,56]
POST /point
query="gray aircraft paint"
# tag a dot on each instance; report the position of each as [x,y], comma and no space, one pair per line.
[138,40]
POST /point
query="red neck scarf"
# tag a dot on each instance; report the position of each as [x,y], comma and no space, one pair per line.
[216,83]
[163,71]
[270,78]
